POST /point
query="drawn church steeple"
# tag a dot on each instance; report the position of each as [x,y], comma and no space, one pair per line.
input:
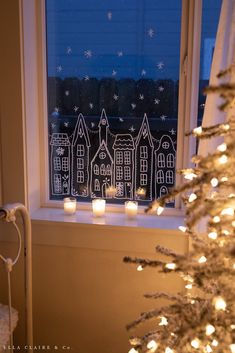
[103,127]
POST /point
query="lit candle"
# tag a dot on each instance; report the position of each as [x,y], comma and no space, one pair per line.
[98,207]
[70,205]
[131,208]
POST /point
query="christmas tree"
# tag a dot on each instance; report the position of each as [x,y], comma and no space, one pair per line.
[201,318]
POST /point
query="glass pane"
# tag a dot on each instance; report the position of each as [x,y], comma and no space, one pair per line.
[210,20]
[113,71]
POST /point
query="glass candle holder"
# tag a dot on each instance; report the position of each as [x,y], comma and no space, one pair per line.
[98,207]
[70,205]
[131,209]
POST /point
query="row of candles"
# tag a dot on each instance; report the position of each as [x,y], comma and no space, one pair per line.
[98,207]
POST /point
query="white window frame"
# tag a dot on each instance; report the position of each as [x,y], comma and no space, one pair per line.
[80,176]
[169,177]
[161,160]
[65,164]
[127,173]
[119,172]
[80,151]
[119,157]
[80,163]
[144,152]
[33,31]
[143,165]
[127,157]
[57,164]
[143,179]
[160,177]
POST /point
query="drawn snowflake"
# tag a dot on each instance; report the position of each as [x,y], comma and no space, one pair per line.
[172,131]
[120,53]
[92,124]
[133,106]
[66,124]
[114,73]
[115,97]
[141,97]
[88,53]
[121,120]
[132,129]
[151,32]
[161,88]
[156,101]
[60,151]
[86,78]
[53,125]
[69,50]
[59,68]
[75,108]
[163,117]
[67,93]
[91,105]
[143,72]
[109,15]
[160,65]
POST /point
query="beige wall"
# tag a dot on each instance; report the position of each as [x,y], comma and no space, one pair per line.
[83,294]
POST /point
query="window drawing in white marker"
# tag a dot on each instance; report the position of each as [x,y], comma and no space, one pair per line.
[57,182]
[127,157]
[80,163]
[170,161]
[119,157]
[143,152]
[119,172]
[165,145]
[161,160]
[127,173]
[65,164]
[57,163]
[143,179]
[160,177]
[108,169]
[143,165]
[169,177]
[96,169]
[102,169]
[80,176]
[80,150]
[97,185]
[120,189]
[163,191]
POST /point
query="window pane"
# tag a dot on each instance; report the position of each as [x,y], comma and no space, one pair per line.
[113,71]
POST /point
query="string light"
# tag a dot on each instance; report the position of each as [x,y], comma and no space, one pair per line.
[224,179]
[192,197]
[232,327]
[219,303]
[232,347]
[208,348]
[231,195]
[133,350]
[210,329]
[195,343]
[202,259]
[233,223]
[222,147]
[189,286]
[223,159]
[171,266]
[160,210]
[182,228]
[168,350]
[140,268]
[212,235]
[216,219]
[226,127]
[214,182]
[163,321]
[152,345]
[225,231]
[227,211]
[214,343]
[197,131]
[190,176]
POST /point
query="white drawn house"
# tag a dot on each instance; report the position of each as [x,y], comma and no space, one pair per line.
[60,164]
[80,159]
[124,165]
[144,159]
[164,166]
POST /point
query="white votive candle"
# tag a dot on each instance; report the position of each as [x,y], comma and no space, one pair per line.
[70,205]
[131,209]
[98,207]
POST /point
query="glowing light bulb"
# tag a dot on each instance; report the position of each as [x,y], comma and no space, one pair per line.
[232,347]
[192,302]
[140,268]
[188,286]
[234,269]
[216,219]
[210,329]
[171,266]
[195,343]
[163,321]
[152,345]
[160,210]
[222,147]
[168,350]
[214,343]
[231,195]
[232,327]
[233,223]
[208,348]
[197,131]
[192,197]
[182,228]
[227,211]
[224,179]
[212,235]
[223,159]
[133,350]
[214,182]
[219,303]
[226,127]
[202,259]
[225,231]
[190,176]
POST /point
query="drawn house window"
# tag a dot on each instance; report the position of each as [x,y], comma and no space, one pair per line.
[57,163]
[143,179]
[108,169]
[102,155]
[57,183]
[80,150]
[119,173]
[160,177]
[165,145]
[65,164]
[102,169]
[119,157]
[170,160]
[80,163]
[161,160]
[127,173]
[169,177]
[80,176]
[143,165]
[97,185]
[127,157]
[163,191]
[120,189]
[143,152]
[96,169]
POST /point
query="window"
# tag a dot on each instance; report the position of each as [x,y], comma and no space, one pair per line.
[170,161]
[110,100]
[80,150]
[97,185]
[143,152]
[80,163]
[160,177]
[65,164]
[127,173]
[80,176]
[161,160]
[119,157]
[120,189]
[57,164]
[169,177]
[163,191]
[119,173]
[143,165]
[57,183]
